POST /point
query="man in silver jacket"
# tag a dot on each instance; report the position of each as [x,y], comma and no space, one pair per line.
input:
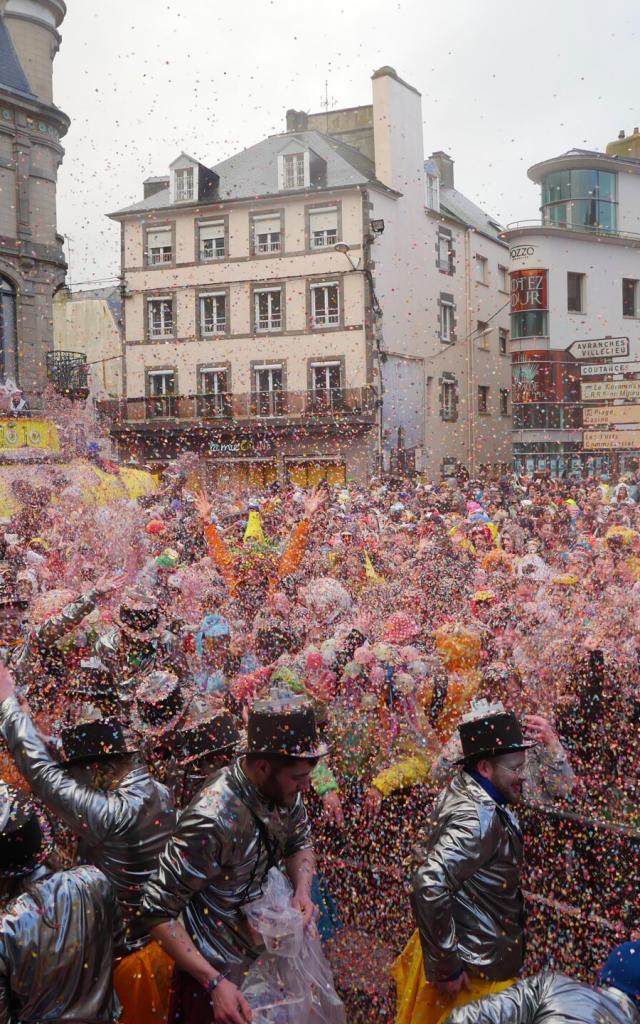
[467,900]
[56,927]
[247,818]
[120,813]
[556,999]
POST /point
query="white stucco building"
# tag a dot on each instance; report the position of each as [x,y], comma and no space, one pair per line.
[285,313]
[575,337]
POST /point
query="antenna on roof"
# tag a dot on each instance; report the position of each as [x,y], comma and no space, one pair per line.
[326,103]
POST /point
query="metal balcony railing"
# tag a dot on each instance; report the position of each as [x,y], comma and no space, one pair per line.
[319,406]
[596,230]
[69,373]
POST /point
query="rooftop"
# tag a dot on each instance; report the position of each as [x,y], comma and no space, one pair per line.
[12,75]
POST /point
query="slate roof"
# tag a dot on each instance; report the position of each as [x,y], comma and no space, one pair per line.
[11,74]
[464,210]
[253,172]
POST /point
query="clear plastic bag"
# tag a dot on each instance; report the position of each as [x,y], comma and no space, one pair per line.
[291,982]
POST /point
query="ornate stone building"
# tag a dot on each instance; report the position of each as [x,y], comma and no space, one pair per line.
[32,263]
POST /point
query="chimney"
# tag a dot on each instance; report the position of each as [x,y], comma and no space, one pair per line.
[297,121]
[153,185]
[445,168]
[397,131]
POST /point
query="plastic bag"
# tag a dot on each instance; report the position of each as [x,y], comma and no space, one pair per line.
[291,982]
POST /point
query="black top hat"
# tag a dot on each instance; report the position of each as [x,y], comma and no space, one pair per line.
[159,703]
[284,724]
[491,736]
[25,834]
[203,732]
[94,736]
[139,616]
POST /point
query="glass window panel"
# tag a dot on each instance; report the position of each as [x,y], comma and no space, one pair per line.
[583,184]
[557,186]
[608,216]
[584,213]
[607,186]
[527,325]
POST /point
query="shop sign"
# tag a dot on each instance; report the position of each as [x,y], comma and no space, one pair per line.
[28,433]
[528,290]
[522,252]
[239,447]
[603,440]
[598,369]
[599,348]
[601,415]
[610,390]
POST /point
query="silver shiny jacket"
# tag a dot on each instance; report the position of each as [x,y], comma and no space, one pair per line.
[466,895]
[162,653]
[122,831]
[216,862]
[29,658]
[552,998]
[56,951]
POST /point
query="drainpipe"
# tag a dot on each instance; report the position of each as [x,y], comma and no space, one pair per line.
[470,336]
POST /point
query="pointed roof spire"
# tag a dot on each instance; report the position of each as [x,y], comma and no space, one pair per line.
[12,75]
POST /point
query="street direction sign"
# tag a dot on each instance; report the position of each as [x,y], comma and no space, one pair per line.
[609,390]
[602,440]
[598,369]
[603,415]
[599,348]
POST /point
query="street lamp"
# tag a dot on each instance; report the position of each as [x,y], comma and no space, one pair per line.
[345,248]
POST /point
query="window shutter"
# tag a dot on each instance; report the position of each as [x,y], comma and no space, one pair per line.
[160,238]
[323,220]
[215,229]
[266,225]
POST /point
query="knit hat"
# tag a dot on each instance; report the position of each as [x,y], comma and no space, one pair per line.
[622,970]
[212,627]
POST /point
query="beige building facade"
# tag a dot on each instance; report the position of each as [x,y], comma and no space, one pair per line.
[89,323]
[32,263]
[281,308]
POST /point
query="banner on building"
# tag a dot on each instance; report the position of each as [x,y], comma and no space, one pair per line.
[242,447]
[529,290]
[601,415]
[603,440]
[599,348]
[610,390]
[28,433]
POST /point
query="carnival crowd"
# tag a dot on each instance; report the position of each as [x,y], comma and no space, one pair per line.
[177,672]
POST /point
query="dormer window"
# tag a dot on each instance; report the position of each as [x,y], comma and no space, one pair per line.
[184,184]
[294,170]
[433,192]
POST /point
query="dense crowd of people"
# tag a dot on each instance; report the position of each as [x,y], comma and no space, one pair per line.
[179,670]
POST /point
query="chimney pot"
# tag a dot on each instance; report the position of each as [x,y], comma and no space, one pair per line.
[297,121]
[621,134]
[445,168]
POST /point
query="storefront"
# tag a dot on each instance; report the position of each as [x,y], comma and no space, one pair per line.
[310,472]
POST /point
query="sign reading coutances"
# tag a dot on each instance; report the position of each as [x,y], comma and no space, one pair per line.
[600,369]
[599,348]
[603,391]
[600,440]
[601,415]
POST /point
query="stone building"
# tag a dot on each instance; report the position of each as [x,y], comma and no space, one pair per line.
[32,263]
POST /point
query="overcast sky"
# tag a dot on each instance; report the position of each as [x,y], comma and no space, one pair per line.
[503,85]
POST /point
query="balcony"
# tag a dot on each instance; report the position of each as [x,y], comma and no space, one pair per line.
[68,372]
[320,406]
[546,226]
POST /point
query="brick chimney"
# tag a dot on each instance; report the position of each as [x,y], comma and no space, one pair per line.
[445,167]
[297,121]
[397,129]
[153,185]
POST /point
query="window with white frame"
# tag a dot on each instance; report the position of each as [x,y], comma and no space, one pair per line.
[268,390]
[184,181]
[213,313]
[504,401]
[162,383]
[323,227]
[503,279]
[433,192]
[266,233]
[160,317]
[449,399]
[483,399]
[325,305]
[446,319]
[481,269]
[503,337]
[159,246]
[214,380]
[212,240]
[445,255]
[268,309]
[294,171]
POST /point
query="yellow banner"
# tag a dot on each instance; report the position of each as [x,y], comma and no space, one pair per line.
[28,433]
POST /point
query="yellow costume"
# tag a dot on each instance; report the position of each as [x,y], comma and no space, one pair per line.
[142,982]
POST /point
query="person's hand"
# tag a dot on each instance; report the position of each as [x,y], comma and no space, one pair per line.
[313,502]
[7,683]
[229,1005]
[372,803]
[541,731]
[108,583]
[203,505]
[302,901]
[453,988]
[332,807]
[363,622]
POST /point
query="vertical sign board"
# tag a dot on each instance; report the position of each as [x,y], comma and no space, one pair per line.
[529,290]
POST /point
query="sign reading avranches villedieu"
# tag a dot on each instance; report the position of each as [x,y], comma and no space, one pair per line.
[599,348]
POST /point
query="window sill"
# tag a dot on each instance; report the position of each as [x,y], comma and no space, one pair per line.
[629,316]
[160,266]
[483,413]
[576,312]
[485,284]
[447,272]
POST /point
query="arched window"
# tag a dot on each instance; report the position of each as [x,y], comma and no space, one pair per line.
[8,333]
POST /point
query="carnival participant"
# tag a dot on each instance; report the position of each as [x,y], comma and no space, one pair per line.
[203,742]
[122,817]
[467,900]
[57,928]
[558,999]
[246,819]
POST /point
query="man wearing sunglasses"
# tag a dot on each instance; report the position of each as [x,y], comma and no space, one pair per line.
[467,900]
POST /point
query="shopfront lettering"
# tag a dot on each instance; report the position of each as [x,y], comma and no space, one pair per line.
[528,290]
